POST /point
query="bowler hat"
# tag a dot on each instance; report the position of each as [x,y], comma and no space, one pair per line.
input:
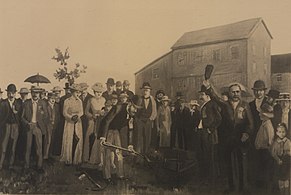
[136,101]
[126,82]
[36,89]
[118,84]
[98,87]
[273,94]
[259,85]
[110,81]
[24,90]
[11,88]
[67,86]
[146,85]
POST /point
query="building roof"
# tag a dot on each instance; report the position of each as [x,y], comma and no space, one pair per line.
[281,63]
[150,64]
[234,31]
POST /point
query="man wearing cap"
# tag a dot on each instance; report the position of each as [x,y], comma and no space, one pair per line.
[259,90]
[126,90]
[10,120]
[207,136]
[110,89]
[94,114]
[57,90]
[118,117]
[144,120]
[239,121]
[53,123]
[34,117]
[118,88]
[194,119]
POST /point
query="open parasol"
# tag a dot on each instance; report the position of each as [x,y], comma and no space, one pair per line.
[37,79]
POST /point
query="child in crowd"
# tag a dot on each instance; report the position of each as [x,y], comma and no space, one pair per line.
[280,151]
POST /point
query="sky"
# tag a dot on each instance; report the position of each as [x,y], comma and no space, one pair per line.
[116,38]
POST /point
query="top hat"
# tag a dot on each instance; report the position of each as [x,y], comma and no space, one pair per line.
[194,103]
[160,91]
[36,89]
[24,90]
[259,85]
[273,94]
[57,89]
[84,86]
[126,82]
[76,87]
[110,81]
[166,98]
[146,85]
[98,87]
[284,96]
[67,86]
[118,84]
[136,101]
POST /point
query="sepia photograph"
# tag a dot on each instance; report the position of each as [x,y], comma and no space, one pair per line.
[145,97]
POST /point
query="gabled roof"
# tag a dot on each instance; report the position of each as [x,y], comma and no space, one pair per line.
[150,64]
[281,63]
[234,31]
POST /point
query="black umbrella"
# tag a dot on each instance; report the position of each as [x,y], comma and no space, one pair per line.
[37,79]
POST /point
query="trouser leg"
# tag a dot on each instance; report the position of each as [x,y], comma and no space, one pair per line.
[28,148]
[7,132]
[38,140]
[14,136]
[117,142]
[148,135]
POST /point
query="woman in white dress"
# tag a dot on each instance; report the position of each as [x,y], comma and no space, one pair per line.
[94,112]
[73,110]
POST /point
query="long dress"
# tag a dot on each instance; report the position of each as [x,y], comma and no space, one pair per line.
[72,106]
[93,107]
[164,123]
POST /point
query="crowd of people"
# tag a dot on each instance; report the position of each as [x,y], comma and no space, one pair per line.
[246,142]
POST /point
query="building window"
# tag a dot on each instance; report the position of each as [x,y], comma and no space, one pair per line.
[234,52]
[181,58]
[155,73]
[279,77]
[254,67]
[216,55]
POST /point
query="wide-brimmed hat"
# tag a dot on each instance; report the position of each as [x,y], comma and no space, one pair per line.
[51,95]
[57,89]
[273,93]
[136,101]
[11,88]
[84,86]
[146,85]
[98,87]
[75,87]
[284,96]
[259,85]
[126,82]
[67,86]
[110,81]
[24,90]
[123,95]
[166,98]
[118,84]
[194,103]
[36,89]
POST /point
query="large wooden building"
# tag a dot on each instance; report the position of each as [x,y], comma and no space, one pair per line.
[240,52]
[281,72]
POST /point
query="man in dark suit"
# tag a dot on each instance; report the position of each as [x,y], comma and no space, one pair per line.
[10,120]
[85,96]
[144,120]
[34,116]
[207,136]
[240,126]
[110,89]
[194,119]
[259,90]
[118,117]
[52,124]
